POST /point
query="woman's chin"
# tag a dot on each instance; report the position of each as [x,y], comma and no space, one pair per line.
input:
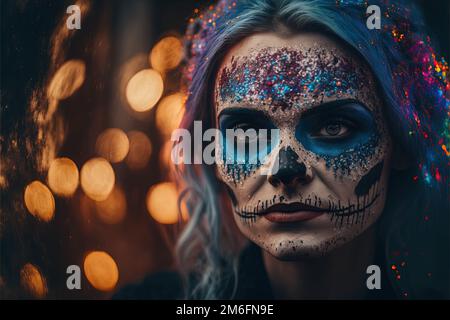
[295,243]
[288,249]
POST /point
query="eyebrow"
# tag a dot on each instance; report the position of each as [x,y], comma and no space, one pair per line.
[317,109]
[332,105]
[242,111]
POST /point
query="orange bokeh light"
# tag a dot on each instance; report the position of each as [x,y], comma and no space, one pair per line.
[166,54]
[97,179]
[101,270]
[69,77]
[39,201]
[113,145]
[113,209]
[63,177]
[144,90]
[32,281]
[169,113]
[162,203]
[140,150]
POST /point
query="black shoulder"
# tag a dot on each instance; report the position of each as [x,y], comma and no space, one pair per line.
[157,286]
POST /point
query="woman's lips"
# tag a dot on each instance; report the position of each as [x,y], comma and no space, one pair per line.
[292,212]
[292,216]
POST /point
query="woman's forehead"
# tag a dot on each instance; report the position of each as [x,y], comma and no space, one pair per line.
[267,69]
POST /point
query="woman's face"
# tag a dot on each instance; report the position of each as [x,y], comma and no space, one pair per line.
[323,180]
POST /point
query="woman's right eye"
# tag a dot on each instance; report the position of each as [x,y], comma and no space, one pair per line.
[243,126]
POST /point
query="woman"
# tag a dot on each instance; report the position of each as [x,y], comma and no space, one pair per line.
[356,176]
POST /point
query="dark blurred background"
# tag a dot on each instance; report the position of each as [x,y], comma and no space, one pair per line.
[45,116]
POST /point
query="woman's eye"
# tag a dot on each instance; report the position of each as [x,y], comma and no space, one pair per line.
[242,126]
[334,129]
[251,132]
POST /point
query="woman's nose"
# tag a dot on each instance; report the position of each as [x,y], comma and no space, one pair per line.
[291,171]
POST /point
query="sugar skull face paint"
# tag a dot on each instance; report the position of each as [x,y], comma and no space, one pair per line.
[332,151]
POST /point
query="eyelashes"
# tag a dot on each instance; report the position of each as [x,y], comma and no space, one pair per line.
[245,120]
[327,130]
[245,126]
[330,133]
[332,129]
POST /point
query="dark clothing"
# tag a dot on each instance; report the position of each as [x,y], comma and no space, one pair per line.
[253,283]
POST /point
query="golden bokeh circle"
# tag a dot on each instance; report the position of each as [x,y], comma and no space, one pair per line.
[97,179]
[113,145]
[63,177]
[140,150]
[39,201]
[162,203]
[101,270]
[169,113]
[113,209]
[144,90]
[166,54]
[32,281]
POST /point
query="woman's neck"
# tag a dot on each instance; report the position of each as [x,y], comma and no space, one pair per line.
[339,275]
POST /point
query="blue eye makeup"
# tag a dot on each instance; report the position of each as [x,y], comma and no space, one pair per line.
[333,128]
[233,123]
[344,133]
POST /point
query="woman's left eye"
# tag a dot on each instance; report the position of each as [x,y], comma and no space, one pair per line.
[334,129]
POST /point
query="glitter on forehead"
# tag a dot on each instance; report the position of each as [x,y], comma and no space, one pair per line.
[284,77]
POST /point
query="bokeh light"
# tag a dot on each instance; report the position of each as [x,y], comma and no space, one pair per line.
[97,179]
[101,270]
[39,201]
[63,177]
[144,90]
[165,154]
[169,113]
[32,281]
[137,63]
[113,209]
[113,145]
[165,160]
[69,77]
[166,54]
[162,203]
[140,150]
